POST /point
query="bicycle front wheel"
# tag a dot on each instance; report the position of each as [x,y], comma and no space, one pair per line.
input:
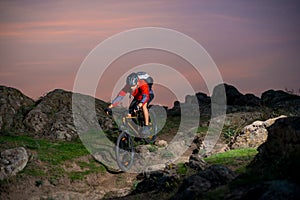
[124,151]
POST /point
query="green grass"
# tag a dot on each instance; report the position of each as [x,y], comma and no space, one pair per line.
[52,152]
[88,168]
[202,129]
[182,169]
[52,155]
[58,153]
[236,159]
[152,148]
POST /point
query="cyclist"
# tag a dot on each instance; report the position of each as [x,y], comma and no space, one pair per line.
[143,95]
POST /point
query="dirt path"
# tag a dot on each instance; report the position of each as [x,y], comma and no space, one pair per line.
[92,186]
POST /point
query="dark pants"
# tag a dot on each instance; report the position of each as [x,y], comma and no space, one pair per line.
[135,102]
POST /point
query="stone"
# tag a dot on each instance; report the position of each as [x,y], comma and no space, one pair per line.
[253,135]
[161,143]
[270,122]
[195,186]
[13,106]
[276,189]
[52,117]
[12,161]
[279,156]
[197,163]
[36,121]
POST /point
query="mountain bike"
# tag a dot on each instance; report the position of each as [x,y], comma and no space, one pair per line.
[131,128]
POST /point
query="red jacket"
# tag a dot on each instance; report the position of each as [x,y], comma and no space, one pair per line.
[141,93]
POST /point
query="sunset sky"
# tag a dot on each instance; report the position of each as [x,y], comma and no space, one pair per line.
[255,44]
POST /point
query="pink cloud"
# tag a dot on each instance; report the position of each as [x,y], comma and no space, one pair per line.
[50,39]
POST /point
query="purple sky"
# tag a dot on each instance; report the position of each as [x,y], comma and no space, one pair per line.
[255,44]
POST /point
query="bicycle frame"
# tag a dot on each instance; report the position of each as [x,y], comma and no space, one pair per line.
[136,127]
[125,142]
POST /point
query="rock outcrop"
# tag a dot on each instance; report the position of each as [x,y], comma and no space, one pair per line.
[275,189]
[13,107]
[275,97]
[52,116]
[195,186]
[233,96]
[279,156]
[281,101]
[12,161]
[278,101]
[275,169]
[191,187]
[254,134]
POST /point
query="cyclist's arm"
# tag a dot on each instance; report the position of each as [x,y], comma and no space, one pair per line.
[120,97]
[145,94]
[117,100]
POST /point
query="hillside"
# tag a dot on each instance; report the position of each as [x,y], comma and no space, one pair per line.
[51,162]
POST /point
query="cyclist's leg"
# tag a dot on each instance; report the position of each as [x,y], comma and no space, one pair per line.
[146,114]
[145,109]
[151,96]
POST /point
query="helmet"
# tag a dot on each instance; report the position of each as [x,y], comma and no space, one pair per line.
[132,79]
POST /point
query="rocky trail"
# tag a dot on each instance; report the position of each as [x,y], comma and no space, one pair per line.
[42,156]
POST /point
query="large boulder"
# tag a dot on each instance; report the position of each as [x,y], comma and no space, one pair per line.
[253,135]
[13,106]
[195,186]
[279,156]
[12,161]
[52,116]
[276,166]
[158,181]
[275,189]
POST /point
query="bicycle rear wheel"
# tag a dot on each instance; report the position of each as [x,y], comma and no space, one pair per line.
[124,151]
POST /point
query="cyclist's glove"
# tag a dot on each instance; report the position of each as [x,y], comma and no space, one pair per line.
[108,111]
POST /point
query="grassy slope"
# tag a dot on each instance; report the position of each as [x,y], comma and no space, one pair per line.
[236,159]
[47,158]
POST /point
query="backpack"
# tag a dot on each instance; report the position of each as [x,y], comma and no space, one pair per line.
[146,77]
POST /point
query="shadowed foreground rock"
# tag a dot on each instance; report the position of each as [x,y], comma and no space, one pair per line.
[195,186]
[279,156]
[275,169]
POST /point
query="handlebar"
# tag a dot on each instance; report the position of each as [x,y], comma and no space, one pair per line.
[108,111]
